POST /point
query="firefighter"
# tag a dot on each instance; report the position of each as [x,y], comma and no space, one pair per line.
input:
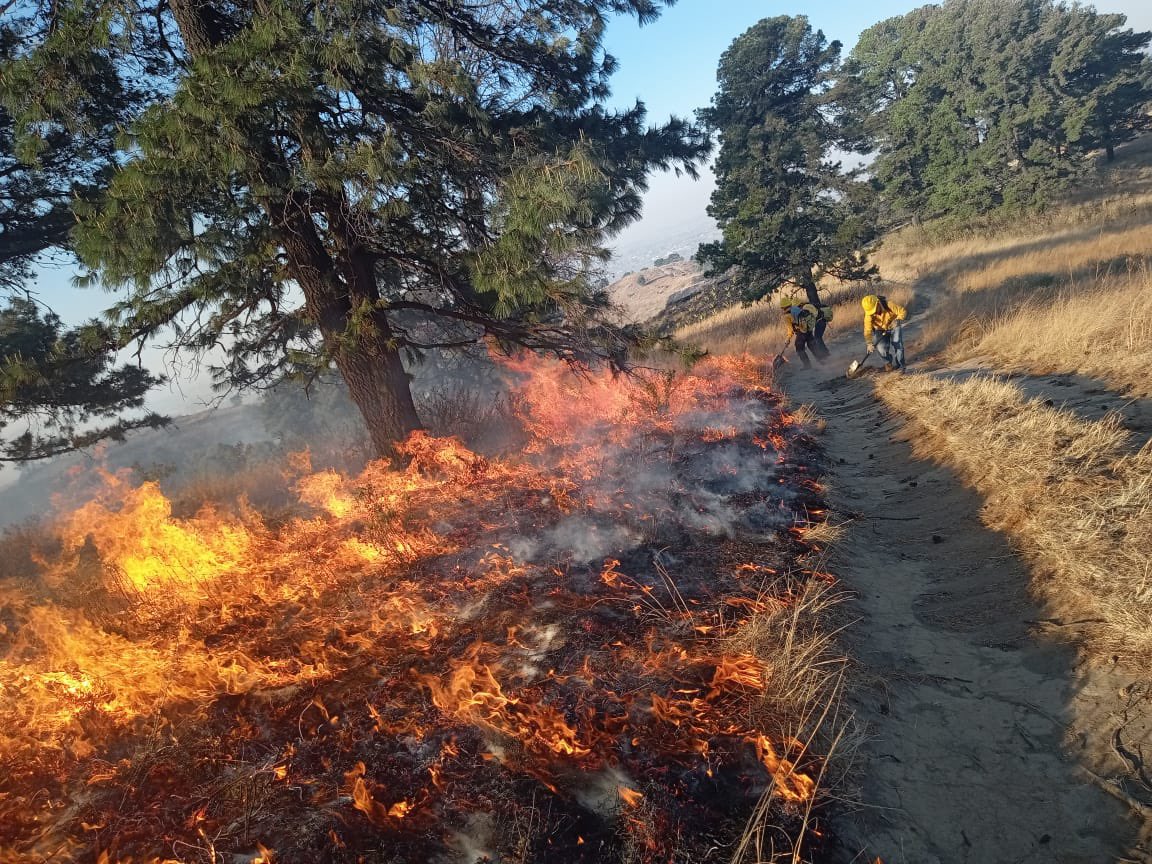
[883,329]
[802,321]
[823,315]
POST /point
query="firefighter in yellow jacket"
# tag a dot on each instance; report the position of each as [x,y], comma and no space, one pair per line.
[806,323]
[883,329]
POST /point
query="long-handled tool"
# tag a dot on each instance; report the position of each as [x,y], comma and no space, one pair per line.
[779,360]
[857,365]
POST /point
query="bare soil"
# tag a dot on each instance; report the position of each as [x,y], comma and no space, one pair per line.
[989,737]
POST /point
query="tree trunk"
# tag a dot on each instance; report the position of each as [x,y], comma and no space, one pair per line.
[1110,151]
[804,279]
[379,386]
[364,350]
[334,291]
[198,23]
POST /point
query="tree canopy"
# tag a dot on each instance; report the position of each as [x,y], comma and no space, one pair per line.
[355,183]
[782,199]
[60,388]
[975,105]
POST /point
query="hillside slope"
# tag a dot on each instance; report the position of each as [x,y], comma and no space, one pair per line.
[997,501]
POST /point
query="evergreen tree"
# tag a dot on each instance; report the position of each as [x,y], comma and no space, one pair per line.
[69,157]
[349,183]
[58,388]
[1108,74]
[784,204]
[975,105]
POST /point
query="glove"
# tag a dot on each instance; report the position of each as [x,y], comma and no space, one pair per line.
[871,347]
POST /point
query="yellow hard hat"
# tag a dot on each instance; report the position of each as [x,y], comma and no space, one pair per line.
[786,303]
[870,303]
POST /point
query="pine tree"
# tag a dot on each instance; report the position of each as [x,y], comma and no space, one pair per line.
[977,105]
[59,388]
[783,203]
[354,183]
[1107,72]
[68,157]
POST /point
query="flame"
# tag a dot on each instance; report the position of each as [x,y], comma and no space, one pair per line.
[393,622]
[630,797]
[790,784]
[364,800]
[145,551]
[470,692]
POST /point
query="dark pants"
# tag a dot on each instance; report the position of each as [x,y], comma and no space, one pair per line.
[818,346]
[805,341]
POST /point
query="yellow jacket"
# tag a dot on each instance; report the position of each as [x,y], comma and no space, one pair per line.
[883,318]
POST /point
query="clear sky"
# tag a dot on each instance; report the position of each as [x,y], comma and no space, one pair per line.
[671,66]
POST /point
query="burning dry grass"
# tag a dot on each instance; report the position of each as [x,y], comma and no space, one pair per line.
[760,329]
[801,648]
[602,650]
[1070,492]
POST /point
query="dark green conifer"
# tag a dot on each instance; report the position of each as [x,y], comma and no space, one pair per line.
[782,199]
[352,182]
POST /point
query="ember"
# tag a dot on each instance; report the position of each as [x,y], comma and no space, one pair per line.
[528,659]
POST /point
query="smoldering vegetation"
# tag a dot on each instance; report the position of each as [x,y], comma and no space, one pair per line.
[589,627]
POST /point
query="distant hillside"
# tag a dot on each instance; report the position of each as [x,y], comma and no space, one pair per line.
[672,295]
[208,439]
[645,294]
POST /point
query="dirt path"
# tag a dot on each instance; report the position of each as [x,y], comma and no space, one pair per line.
[970,713]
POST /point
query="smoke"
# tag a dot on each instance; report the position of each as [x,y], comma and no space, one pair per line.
[473,844]
[496,634]
[600,791]
[709,473]
[577,539]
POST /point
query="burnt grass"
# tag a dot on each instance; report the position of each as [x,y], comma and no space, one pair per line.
[318,772]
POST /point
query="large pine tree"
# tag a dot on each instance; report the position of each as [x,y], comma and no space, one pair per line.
[782,199]
[349,182]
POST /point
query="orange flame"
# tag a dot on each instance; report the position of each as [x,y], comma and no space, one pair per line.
[343,619]
[630,797]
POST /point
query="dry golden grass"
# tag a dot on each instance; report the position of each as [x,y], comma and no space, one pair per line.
[1069,305]
[1084,233]
[1068,291]
[760,329]
[1071,493]
[1104,332]
[798,644]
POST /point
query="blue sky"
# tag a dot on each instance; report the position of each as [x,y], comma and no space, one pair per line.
[671,65]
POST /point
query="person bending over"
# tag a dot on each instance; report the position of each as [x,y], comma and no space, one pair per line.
[883,329]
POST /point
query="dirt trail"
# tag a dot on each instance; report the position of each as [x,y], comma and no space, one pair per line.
[970,711]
